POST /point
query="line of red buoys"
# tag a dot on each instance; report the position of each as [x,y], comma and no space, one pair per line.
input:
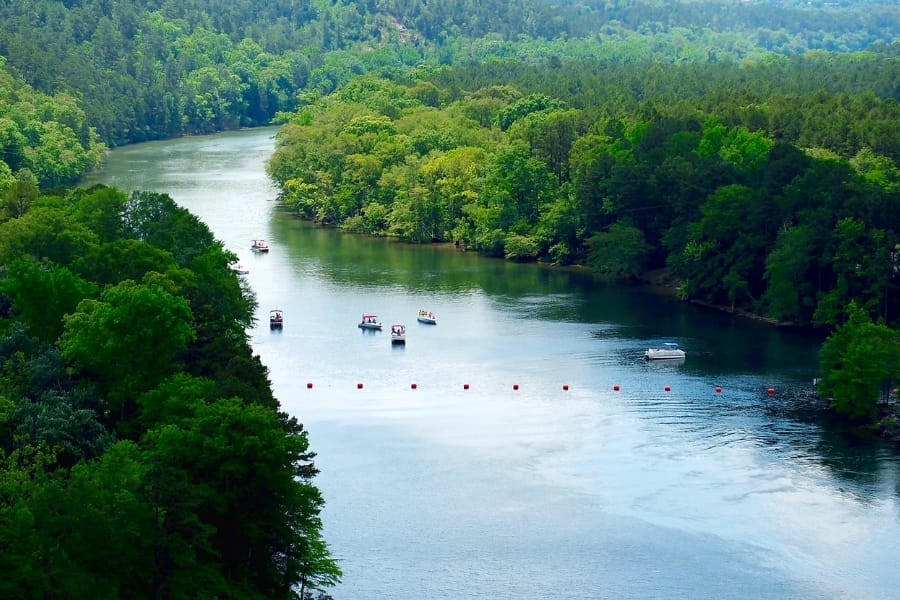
[565,387]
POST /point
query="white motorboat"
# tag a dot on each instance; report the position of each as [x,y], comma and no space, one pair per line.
[370,322]
[398,334]
[427,317]
[238,268]
[259,246]
[667,351]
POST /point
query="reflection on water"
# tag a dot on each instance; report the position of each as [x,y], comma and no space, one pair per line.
[489,478]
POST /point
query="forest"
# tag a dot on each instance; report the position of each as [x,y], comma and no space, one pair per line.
[747,148]
[159,68]
[142,453]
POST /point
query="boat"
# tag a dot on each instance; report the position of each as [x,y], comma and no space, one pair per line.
[398,334]
[370,322]
[667,351]
[238,268]
[276,319]
[259,246]
[427,317]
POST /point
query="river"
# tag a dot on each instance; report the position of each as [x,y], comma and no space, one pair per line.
[522,447]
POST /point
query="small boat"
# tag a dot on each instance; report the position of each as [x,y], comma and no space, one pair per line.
[427,317]
[259,246]
[398,334]
[370,322]
[238,268]
[667,351]
[276,319]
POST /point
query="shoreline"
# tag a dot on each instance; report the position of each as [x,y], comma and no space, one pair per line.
[662,281]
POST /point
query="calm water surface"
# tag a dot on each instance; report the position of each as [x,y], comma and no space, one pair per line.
[537,492]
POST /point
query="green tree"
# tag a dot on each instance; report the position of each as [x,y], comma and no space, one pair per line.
[859,361]
[18,195]
[229,451]
[861,263]
[127,340]
[790,271]
[619,252]
[43,294]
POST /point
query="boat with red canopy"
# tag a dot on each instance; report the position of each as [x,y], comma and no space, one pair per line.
[370,322]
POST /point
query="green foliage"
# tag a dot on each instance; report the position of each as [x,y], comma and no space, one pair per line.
[43,294]
[791,292]
[45,141]
[521,248]
[535,103]
[126,340]
[123,362]
[147,72]
[738,147]
[226,452]
[860,362]
[619,252]
[741,220]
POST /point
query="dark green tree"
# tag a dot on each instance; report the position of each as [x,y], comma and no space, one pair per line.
[860,361]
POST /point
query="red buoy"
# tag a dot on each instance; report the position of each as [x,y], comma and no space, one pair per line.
[718,389]
[616,387]
[668,388]
[565,386]
[413,386]
[309,385]
[465,386]
[515,386]
[771,391]
[359,386]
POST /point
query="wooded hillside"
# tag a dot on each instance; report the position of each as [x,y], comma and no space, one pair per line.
[750,147]
[159,68]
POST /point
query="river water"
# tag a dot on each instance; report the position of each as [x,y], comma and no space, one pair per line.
[493,456]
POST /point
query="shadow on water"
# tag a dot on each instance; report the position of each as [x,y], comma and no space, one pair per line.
[865,468]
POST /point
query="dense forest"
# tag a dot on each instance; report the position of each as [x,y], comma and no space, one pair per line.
[747,148]
[142,453]
[158,68]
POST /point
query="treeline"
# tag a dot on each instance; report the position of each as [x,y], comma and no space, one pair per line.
[786,205]
[142,453]
[162,68]
[842,102]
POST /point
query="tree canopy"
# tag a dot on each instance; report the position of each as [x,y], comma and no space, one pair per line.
[142,453]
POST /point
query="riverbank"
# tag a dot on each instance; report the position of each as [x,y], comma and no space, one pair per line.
[662,281]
